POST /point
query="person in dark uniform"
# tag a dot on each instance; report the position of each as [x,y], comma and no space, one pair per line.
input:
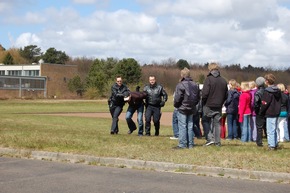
[156,98]
[116,102]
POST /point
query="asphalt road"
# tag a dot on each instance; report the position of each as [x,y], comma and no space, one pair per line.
[34,176]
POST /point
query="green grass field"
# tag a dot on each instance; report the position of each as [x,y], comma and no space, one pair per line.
[23,124]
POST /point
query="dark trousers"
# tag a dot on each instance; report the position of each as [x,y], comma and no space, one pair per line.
[154,112]
[196,126]
[261,125]
[115,113]
[206,124]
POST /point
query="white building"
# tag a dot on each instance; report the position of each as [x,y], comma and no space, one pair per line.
[20,70]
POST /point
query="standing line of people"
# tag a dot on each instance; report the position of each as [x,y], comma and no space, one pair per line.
[259,106]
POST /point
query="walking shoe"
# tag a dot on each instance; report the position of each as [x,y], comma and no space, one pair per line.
[272,148]
[156,133]
[112,132]
[174,138]
[208,143]
[218,144]
[131,131]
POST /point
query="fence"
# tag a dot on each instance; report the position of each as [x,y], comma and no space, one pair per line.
[25,85]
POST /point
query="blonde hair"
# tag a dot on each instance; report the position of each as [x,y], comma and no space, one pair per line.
[233,84]
[185,73]
[213,66]
[252,84]
[245,86]
[281,87]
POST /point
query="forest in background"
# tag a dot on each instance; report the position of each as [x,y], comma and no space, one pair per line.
[95,76]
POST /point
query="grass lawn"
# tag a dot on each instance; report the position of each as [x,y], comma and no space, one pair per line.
[24,125]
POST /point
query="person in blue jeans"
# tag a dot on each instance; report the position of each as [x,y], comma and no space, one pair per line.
[175,124]
[270,107]
[185,100]
[136,104]
[231,105]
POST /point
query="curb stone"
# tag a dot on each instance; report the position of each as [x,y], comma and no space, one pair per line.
[149,165]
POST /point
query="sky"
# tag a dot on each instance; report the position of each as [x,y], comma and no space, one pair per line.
[255,32]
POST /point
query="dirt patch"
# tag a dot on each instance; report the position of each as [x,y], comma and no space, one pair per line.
[166,118]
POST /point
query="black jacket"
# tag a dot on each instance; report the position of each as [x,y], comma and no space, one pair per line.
[186,96]
[232,102]
[156,95]
[214,91]
[284,102]
[118,94]
[258,100]
[271,102]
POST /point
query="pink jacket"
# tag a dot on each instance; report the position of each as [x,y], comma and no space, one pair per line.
[244,105]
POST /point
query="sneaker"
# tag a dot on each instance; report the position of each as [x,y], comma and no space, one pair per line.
[174,138]
[218,144]
[208,143]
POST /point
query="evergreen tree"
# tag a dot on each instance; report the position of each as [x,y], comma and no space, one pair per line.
[8,59]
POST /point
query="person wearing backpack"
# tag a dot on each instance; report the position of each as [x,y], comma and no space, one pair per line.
[185,100]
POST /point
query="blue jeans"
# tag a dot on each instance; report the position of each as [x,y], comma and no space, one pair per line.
[253,128]
[272,125]
[131,124]
[232,126]
[185,124]
[175,123]
[246,129]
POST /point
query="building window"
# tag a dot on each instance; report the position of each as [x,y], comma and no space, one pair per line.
[31,73]
[2,72]
[14,72]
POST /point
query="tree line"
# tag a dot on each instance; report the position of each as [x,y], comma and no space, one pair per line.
[95,76]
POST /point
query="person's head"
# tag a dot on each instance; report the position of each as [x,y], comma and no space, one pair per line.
[281,87]
[137,88]
[152,80]
[119,80]
[213,66]
[245,86]
[185,73]
[252,84]
[232,84]
[260,81]
[270,79]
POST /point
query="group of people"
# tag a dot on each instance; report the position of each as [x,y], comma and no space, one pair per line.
[153,97]
[254,107]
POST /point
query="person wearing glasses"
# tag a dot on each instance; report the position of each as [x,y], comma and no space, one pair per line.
[116,102]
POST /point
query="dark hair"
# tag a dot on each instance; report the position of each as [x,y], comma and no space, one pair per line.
[270,78]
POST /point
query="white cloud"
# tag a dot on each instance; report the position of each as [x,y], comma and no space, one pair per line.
[228,31]
[27,39]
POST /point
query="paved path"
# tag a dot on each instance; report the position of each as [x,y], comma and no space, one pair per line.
[149,165]
[33,176]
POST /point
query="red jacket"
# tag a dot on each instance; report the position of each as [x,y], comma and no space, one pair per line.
[244,105]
